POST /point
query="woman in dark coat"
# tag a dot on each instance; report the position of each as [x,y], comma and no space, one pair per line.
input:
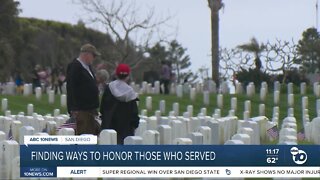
[119,110]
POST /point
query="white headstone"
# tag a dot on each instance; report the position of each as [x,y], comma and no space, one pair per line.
[276,97]
[182,141]
[15,127]
[165,134]
[15,166]
[157,87]
[56,112]
[8,113]
[277,86]
[220,101]
[27,89]
[142,127]
[151,137]
[262,110]
[9,88]
[305,102]
[303,88]
[248,131]
[176,108]
[25,130]
[246,115]
[290,88]
[262,122]
[250,90]
[9,150]
[192,94]
[165,120]
[215,131]
[4,104]
[247,106]
[51,97]
[3,137]
[212,87]
[315,129]
[149,103]
[51,127]
[239,89]
[231,112]
[217,113]
[206,132]
[275,112]
[196,138]
[263,94]
[108,137]
[265,86]
[190,110]
[152,123]
[234,142]
[162,106]
[318,107]
[30,109]
[234,104]
[316,90]
[66,132]
[225,88]
[245,138]
[63,100]
[179,91]
[204,111]
[290,100]
[176,126]
[253,125]
[206,98]
[144,112]
[133,140]
[38,93]
[290,112]
[149,89]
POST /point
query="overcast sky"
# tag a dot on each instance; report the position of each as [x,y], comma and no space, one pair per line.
[239,21]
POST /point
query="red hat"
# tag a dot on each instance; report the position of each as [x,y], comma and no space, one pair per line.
[122,69]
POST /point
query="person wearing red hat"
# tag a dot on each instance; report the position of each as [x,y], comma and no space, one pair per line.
[119,110]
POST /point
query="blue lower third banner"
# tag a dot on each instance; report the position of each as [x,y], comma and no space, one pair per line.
[169,161]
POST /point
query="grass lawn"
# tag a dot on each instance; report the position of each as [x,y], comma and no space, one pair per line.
[18,103]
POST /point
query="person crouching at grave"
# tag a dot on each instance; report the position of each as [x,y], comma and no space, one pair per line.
[119,110]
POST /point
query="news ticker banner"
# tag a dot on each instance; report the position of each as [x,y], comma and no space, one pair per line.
[169,161]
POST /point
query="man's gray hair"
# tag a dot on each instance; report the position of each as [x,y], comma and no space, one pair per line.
[103,75]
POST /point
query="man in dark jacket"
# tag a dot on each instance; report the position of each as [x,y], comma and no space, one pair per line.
[82,91]
[119,110]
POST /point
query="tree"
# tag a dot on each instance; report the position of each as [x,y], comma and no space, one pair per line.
[8,28]
[174,54]
[157,53]
[254,47]
[309,50]
[179,61]
[131,31]
[280,57]
[215,6]
[8,17]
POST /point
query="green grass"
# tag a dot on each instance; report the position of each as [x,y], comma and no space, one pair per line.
[18,103]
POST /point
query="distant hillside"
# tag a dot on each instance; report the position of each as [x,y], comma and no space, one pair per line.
[52,44]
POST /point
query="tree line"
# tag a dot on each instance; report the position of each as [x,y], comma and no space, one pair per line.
[27,42]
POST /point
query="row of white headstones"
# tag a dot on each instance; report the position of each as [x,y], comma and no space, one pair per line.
[172,129]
